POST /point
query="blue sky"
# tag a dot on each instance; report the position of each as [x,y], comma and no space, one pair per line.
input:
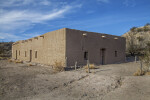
[23,19]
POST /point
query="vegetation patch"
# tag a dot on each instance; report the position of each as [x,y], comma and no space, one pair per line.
[139,73]
[5,50]
[4,58]
[147,73]
[30,64]
[91,66]
[58,66]
[18,61]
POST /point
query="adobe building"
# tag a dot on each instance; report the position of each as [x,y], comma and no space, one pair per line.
[68,46]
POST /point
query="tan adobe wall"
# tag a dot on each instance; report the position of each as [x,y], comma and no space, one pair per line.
[77,44]
[50,47]
[57,45]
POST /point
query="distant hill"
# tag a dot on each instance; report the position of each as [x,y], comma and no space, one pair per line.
[5,49]
[137,38]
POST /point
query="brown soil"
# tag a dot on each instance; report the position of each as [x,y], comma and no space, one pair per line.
[109,82]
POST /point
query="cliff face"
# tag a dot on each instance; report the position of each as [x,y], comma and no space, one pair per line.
[137,38]
[5,49]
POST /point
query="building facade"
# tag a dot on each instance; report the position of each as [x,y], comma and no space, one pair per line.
[68,46]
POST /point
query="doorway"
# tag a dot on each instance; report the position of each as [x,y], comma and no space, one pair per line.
[30,55]
[103,50]
[16,55]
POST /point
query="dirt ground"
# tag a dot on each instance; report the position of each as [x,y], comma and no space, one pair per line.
[108,82]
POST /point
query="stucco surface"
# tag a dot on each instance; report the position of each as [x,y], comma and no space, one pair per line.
[64,43]
[77,44]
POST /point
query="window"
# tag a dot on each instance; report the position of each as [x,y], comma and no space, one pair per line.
[19,53]
[116,54]
[86,55]
[25,54]
[35,54]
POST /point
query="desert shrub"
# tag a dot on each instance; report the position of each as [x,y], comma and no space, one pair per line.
[30,65]
[140,38]
[5,49]
[91,66]
[139,73]
[148,44]
[133,29]
[58,66]
[147,73]
[145,58]
[145,62]
[136,40]
[3,58]
[10,60]
[87,71]
[18,61]
[147,24]
[131,45]
[139,29]
[146,29]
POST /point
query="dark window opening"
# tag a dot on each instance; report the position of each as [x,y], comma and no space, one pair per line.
[85,55]
[19,53]
[25,54]
[116,54]
[16,55]
[103,56]
[35,54]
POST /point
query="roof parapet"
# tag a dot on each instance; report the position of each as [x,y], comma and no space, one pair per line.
[42,36]
[35,37]
[25,40]
[30,39]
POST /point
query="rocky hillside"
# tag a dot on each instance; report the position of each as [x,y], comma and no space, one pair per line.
[5,49]
[137,38]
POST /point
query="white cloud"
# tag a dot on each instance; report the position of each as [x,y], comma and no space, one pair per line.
[26,2]
[78,6]
[15,37]
[104,1]
[26,15]
[90,11]
[12,3]
[53,15]
[45,2]
[19,20]
[16,19]
[9,37]
[1,37]
[129,3]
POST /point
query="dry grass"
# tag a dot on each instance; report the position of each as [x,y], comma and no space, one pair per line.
[58,66]
[30,64]
[91,66]
[139,73]
[1,58]
[4,58]
[10,60]
[18,61]
[147,73]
